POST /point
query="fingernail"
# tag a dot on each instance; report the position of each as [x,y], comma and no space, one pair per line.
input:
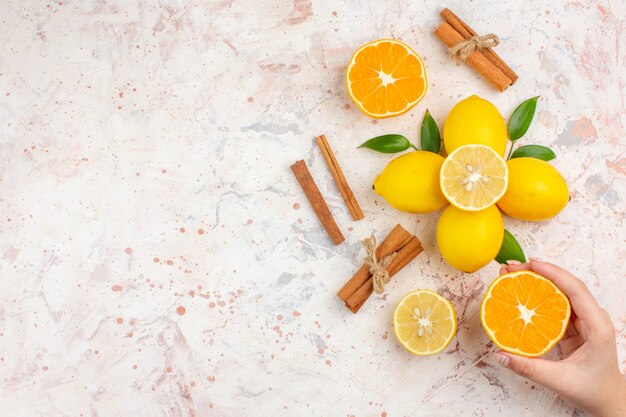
[513,262]
[532,258]
[501,359]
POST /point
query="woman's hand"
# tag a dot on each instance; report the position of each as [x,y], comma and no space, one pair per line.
[588,374]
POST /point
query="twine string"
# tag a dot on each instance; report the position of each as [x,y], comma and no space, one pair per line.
[462,50]
[377,268]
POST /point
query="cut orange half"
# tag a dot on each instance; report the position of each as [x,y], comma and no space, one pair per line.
[386,78]
[524,313]
[473,177]
[424,322]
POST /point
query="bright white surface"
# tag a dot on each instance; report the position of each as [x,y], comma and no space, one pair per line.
[124,122]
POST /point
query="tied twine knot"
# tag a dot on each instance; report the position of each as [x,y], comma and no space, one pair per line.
[377,268]
[462,50]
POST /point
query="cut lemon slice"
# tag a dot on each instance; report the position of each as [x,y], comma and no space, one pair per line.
[473,177]
[524,313]
[385,78]
[424,322]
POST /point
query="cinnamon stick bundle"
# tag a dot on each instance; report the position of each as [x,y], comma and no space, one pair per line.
[402,258]
[467,33]
[486,62]
[399,242]
[392,243]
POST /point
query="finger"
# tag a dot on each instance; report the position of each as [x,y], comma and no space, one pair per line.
[570,344]
[577,327]
[581,328]
[581,299]
[541,371]
[518,267]
[571,330]
[572,339]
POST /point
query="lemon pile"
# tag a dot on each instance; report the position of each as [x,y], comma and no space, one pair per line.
[476,181]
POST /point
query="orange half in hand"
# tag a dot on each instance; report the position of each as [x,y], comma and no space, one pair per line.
[386,78]
[524,313]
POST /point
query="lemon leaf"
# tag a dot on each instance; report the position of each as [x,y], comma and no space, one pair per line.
[510,250]
[429,134]
[521,118]
[392,143]
[534,151]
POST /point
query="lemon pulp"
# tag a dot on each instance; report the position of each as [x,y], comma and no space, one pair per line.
[473,177]
[424,322]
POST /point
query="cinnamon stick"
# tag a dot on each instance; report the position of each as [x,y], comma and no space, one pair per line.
[467,32]
[405,255]
[316,200]
[476,60]
[396,239]
[355,309]
[340,180]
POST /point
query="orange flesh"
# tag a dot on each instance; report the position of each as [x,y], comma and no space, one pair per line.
[525,313]
[386,78]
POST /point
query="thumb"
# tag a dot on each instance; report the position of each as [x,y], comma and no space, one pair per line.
[541,371]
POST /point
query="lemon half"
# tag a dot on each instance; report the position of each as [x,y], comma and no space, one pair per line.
[424,322]
[474,177]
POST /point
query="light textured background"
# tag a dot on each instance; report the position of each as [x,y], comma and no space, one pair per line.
[157,257]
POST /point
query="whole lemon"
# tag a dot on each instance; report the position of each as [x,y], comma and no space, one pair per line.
[469,240]
[537,191]
[410,182]
[474,121]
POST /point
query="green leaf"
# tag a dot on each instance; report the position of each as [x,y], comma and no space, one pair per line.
[429,134]
[521,118]
[510,250]
[387,144]
[534,151]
